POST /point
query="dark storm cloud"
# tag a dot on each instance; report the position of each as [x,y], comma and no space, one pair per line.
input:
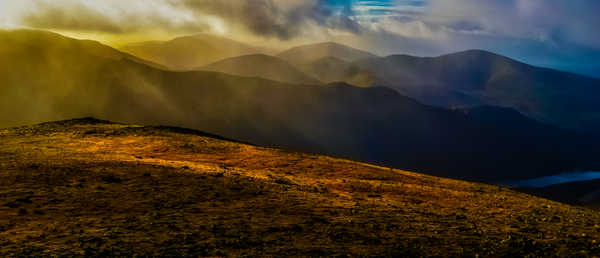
[284,19]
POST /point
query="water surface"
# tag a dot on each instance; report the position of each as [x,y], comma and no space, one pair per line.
[556,179]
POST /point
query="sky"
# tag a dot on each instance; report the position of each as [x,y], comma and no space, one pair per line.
[553,33]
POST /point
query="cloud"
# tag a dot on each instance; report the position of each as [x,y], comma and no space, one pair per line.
[550,21]
[552,33]
[72,17]
[111,16]
[283,19]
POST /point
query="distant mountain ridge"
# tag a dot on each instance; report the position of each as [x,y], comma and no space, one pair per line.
[332,69]
[263,66]
[459,80]
[191,52]
[479,77]
[378,125]
[464,79]
[310,53]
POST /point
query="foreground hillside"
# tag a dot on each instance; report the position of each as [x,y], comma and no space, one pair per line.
[89,187]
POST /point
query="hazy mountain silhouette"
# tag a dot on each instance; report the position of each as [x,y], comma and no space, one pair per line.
[482,78]
[264,66]
[191,52]
[332,69]
[310,53]
[465,79]
[50,77]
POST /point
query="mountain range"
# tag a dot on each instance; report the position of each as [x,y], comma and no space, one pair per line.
[191,52]
[81,78]
[310,53]
[262,66]
[478,77]
[459,80]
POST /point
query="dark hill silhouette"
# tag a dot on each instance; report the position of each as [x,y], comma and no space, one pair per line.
[190,52]
[50,77]
[478,77]
[263,66]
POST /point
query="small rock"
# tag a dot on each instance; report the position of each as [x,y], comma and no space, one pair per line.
[112,179]
[24,200]
[12,205]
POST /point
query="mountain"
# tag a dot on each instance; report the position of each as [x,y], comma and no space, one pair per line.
[88,187]
[263,66]
[78,78]
[476,77]
[310,53]
[190,52]
[331,69]
[512,122]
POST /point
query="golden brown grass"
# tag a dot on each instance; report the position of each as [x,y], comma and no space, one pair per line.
[85,187]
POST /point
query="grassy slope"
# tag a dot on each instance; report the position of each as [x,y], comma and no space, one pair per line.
[96,188]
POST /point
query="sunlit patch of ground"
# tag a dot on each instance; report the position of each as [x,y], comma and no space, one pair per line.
[85,187]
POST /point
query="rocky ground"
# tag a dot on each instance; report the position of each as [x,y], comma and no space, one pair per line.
[92,188]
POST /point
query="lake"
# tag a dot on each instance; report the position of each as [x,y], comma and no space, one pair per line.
[556,179]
